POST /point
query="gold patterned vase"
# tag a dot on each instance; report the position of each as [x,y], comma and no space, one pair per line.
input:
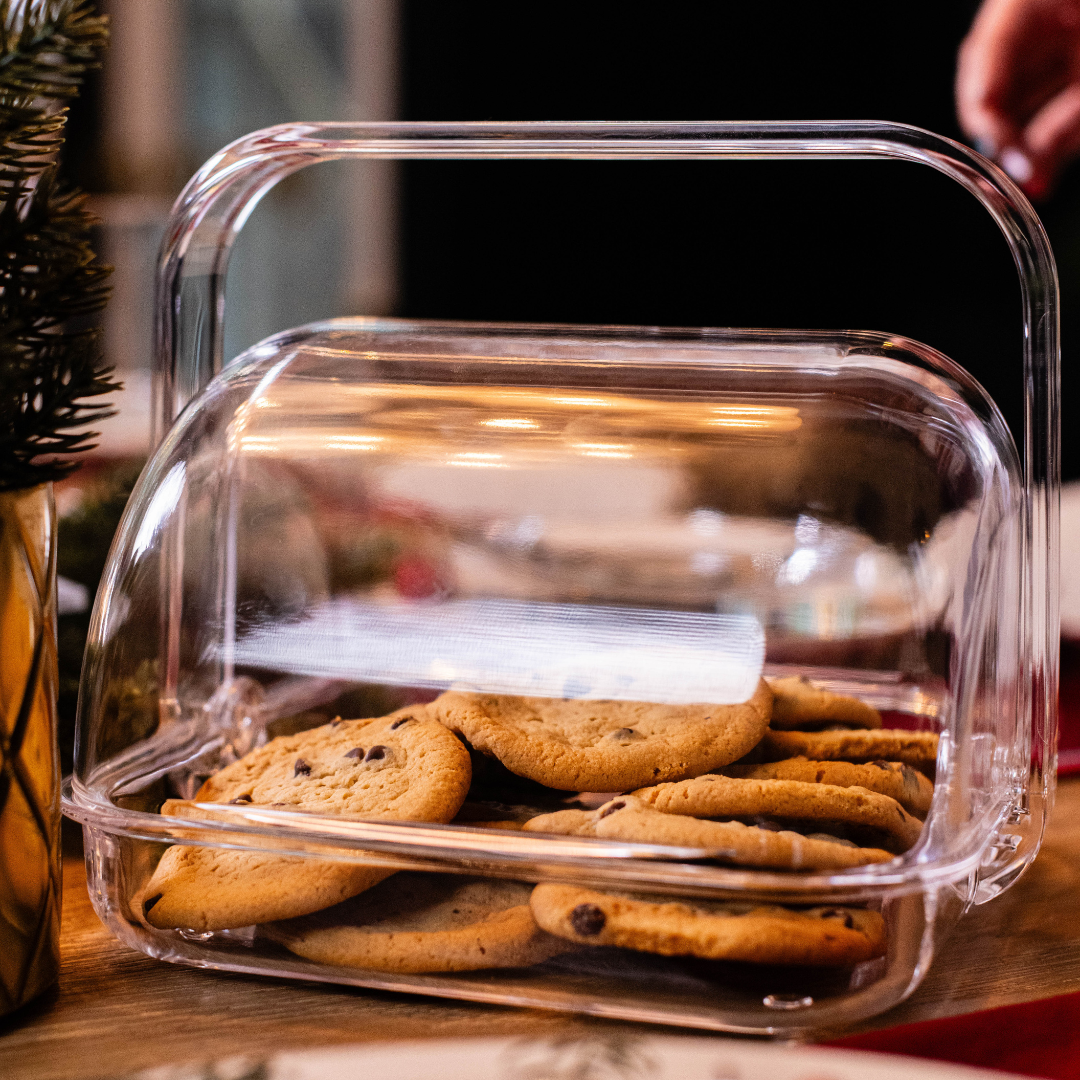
[29,761]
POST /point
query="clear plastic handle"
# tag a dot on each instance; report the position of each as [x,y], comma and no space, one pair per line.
[214,206]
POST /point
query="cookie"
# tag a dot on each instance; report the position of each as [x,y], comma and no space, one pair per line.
[798,703]
[712,930]
[917,748]
[629,819]
[870,819]
[405,766]
[906,785]
[604,745]
[421,922]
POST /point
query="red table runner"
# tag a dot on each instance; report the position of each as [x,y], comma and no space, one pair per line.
[1038,1038]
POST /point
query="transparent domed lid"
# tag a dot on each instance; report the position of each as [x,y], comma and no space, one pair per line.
[359,514]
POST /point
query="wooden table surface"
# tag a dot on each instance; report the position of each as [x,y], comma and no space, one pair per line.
[116,1010]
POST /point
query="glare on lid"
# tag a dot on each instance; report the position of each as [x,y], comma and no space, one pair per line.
[470,457]
[605,450]
[510,423]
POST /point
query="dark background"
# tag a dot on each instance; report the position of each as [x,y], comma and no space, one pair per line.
[881,246]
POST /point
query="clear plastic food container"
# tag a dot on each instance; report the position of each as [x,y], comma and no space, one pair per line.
[429,656]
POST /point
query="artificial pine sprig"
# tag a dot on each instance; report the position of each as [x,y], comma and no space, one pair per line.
[51,366]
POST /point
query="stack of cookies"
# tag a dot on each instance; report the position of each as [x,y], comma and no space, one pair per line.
[795,779]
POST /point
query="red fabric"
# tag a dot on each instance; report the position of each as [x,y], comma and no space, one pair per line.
[1038,1038]
[1069,710]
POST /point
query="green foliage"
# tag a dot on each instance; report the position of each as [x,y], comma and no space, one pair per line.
[51,365]
[83,540]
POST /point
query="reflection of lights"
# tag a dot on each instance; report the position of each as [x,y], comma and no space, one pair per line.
[705,522]
[605,450]
[353,442]
[762,417]
[866,571]
[162,505]
[258,444]
[707,563]
[807,529]
[587,402]
[306,442]
[520,647]
[767,562]
[798,567]
[477,460]
[518,534]
[511,423]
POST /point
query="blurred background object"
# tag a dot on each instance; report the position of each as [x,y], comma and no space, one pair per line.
[182,79]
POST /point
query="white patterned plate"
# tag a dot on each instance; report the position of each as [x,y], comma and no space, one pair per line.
[616,1056]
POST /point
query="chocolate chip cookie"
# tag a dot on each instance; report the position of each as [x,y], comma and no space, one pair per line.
[420,922]
[916,748]
[799,703]
[825,936]
[906,785]
[871,819]
[575,745]
[629,819]
[404,766]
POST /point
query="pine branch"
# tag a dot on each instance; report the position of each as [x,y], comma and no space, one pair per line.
[47,47]
[52,373]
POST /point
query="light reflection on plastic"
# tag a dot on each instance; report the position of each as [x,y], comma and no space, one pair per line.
[521,647]
[511,424]
[866,571]
[306,442]
[587,402]
[353,442]
[475,458]
[161,506]
[776,418]
[799,566]
[606,450]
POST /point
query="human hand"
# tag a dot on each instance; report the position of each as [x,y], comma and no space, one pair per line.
[1018,87]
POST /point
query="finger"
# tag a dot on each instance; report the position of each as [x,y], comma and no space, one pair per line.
[1052,137]
[989,65]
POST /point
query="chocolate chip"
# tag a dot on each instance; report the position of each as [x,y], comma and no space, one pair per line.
[397,723]
[148,904]
[882,765]
[656,772]
[820,776]
[376,753]
[587,920]
[240,799]
[301,768]
[356,751]
[334,723]
[622,734]
[611,808]
[834,913]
